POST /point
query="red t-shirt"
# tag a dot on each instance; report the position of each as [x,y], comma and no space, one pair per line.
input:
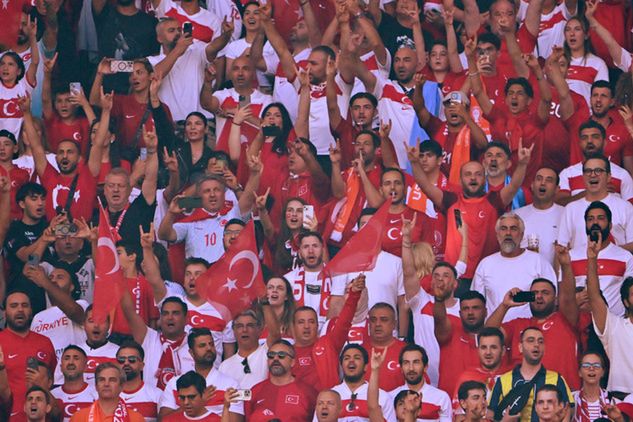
[106,167]
[17,349]
[616,16]
[526,41]
[296,401]
[18,177]
[452,81]
[495,87]
[617,145]
[506,127]
[10,13]
[561,344]
[143,299]
[438,130]
[58,186]
[391,376]
[457,354]
[275,166]
[128,114]
[392,233]
[57,131]
[479,374]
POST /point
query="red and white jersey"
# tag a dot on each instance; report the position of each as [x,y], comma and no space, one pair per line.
[187,75]
[571,180]
[70,402]
[203,238]
[357,334]
[625,60]
[385,282]
[371,62]
[154,347]
[614,265]
[206,25]
[572,229]
[206,316]
[238,47]
[395,105]
[228,9]
[229,99]
[144,400]
[584,71]
[356,410]
[54,324]
[491,279]
[283,90]
[105,353]
[221,381]
[424,329]
[27,163]
[551,28]
[319,121]
[11,116]
[436,404]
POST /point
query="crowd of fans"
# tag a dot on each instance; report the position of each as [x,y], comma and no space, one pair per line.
[496,134]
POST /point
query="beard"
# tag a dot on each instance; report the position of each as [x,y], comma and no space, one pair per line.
[413,379]
[353,378]
[604,233]
[508,246]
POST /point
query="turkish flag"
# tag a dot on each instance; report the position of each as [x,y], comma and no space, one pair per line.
[360,253]
[235,280]
[109,281]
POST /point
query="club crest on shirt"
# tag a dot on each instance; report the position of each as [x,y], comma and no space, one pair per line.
[291,399]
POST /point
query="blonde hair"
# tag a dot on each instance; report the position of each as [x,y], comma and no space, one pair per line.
[423,258]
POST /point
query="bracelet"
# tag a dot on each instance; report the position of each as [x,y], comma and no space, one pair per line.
[152,151]
[473,73]
[406,245]
[236,124]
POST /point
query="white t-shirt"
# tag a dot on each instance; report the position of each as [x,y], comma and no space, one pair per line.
[283,90]
[551,28]
[203,239]
[432,398]
[228,9]
[11,116]
[257,362]
[572,228]
[495,275]
[144,401]
[617,340]
[358,412]
[180,88]
[424,329]
[312,292]
[85,277]
[384,283]
[584,71]
[571,180]
[614,265]
[72,402]
[543,224]
[372,64]
[26,162]
[319,121]
[153,347]
[221,381]
[207,25]
[105,353]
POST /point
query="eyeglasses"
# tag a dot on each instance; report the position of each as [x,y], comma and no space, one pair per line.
[131,359]
[247,368]
[280,355]
[588,365]
[596,171]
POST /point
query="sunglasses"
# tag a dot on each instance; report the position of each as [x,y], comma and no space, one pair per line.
[280,355]
[131,359]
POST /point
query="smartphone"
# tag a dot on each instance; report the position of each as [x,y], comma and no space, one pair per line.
[121,66]
[308,214]
[74,88]
[32,363]
[190,202]
[34,260]
[594,235]
[524,297]
[244,100]
[271,130]
[458,218]
[244,395]
[143,154]
[187,28]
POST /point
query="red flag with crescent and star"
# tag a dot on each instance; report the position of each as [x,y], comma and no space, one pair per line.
[109,281]
[235,280]
[360,253]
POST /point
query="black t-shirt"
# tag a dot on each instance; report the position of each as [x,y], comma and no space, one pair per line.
[19,236]
[393,34]
[138,213]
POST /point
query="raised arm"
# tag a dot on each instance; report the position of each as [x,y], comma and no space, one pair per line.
[5,208]
[471,19]
[389,158]
[235,143]
[151,267]
[454,62]
[302,124]
[443,327]
[31,32]
[150,181]
[164,66]
[508,192]
[136,323]
[214,47]
[496,318]
[533,16]
[166,229]
[477,135]
[473,77]
[543,86]
[331,97]
[5,389]
[433,192]
[339,186]
[247,199]
[81,100]
[599,309]
[515,51]
[418,101]
[373,389]
[264,217]
[49,37]
[418,37]
[101,137]
[410,278]
[615,49]
[373,38]
[97,84]
[271,322]
[47,88]
[373,195]
[567,287]
[39,153]
[314,32]
[286,59]
[557,78]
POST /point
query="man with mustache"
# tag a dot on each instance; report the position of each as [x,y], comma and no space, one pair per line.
[491,277]
[75,393]
[136,393]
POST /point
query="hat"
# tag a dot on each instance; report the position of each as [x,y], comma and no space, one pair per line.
[8,134]
[456,97]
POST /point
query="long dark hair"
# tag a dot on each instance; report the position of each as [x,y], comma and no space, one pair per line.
[18,61]
[115,147]
[283,257]
[280,143]
[586,43]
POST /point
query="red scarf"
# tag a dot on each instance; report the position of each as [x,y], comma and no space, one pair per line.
[200,214]
[325,295]
[120,413]
[582,407]
[351,194]
[167,366]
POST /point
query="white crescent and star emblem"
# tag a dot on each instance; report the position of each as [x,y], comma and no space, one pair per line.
[392,365]
[252,258]
[108,244]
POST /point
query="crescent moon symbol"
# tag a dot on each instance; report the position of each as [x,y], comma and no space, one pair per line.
[250,256]
[107,243]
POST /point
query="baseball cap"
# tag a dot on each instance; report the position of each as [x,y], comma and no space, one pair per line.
[456,97]
[7,134]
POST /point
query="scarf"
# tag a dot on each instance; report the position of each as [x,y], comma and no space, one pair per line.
[300,281]
[351,195]
[200,214]
[120,413]
[418,200]
[460,156]
[582,414]
[167,366]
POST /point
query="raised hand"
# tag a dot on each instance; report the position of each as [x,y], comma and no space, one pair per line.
[408,225]
[358,284]
[562,254]
[170,160]
[304,76]
[227,26]
[24,102]
[531,61]
[507,298]
[524,153]
[377,358]
[260,200]
[49,64]
[150,139]
[147,238]
[230,179]
[242,114]
[5,184]
[413,153]
[385,129]
[448,15]
[335,152]
[255,164]
[266,11]
[104,66]
[590,8]
[106,100]
[174,208]
[593,248]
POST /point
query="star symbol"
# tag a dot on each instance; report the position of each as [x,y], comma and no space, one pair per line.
[230,284]
[5,4]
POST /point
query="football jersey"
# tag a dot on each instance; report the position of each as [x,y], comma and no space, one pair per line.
[551,30]
[58,187]
[584,71]
[11,116]
[206,25]
[283,90]
[295,401]
[18,177]
[144,400]
[354,404]
[390,373]
[544,225]
[70,402]
[571,180]
[392,230]
[436,405]
[105,353]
